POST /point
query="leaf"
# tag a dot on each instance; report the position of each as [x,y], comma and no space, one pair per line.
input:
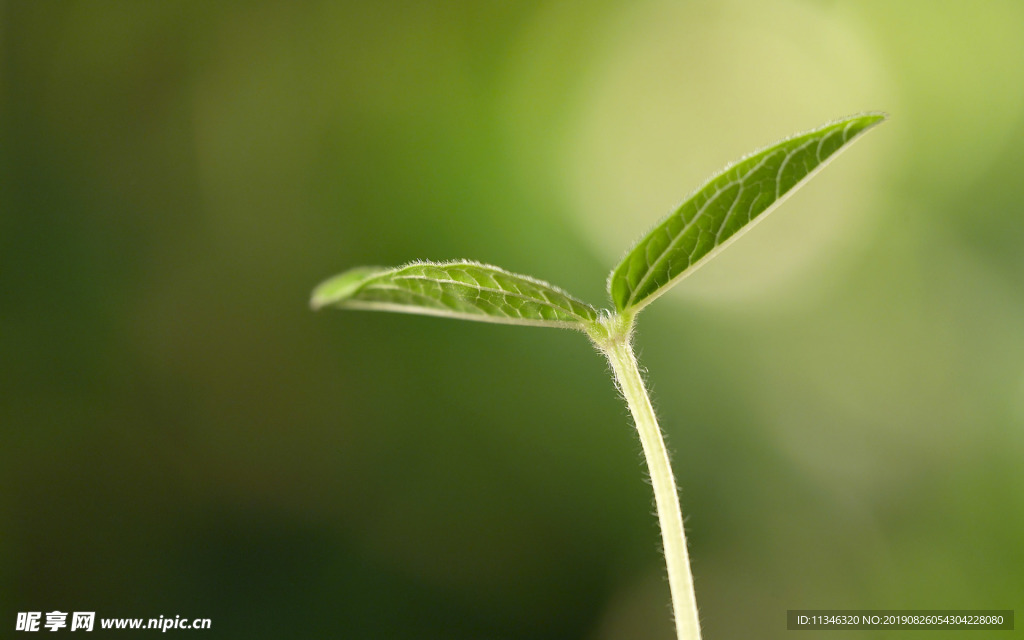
[727,204]
[466,290]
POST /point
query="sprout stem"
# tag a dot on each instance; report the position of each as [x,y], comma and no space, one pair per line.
[618,348]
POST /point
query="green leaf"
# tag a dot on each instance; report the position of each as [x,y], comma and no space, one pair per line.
[465,290]
[727,204]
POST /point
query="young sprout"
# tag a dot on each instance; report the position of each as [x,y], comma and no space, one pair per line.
[716,214]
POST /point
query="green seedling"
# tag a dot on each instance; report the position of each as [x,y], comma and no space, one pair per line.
[716,214]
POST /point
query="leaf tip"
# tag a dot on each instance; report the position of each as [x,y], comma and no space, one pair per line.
[868,119]
[337,288]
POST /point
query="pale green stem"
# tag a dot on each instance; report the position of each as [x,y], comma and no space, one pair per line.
[617,347]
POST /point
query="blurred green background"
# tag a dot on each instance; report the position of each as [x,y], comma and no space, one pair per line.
[843,389]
